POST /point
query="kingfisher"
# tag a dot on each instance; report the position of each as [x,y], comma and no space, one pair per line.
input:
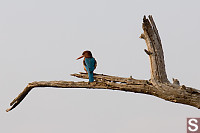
[89,64]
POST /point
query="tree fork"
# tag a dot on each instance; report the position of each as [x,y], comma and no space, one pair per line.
[158,85]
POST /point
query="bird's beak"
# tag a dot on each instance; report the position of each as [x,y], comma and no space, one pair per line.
[80,57]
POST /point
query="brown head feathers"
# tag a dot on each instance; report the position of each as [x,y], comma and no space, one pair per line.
[87,54]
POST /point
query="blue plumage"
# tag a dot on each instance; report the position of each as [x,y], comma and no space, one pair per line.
[90,66]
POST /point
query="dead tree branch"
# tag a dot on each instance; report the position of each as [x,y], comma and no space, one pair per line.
[158,85]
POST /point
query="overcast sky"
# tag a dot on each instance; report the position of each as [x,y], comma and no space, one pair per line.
[40,40]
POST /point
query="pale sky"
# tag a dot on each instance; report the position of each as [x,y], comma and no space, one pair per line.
[40,40]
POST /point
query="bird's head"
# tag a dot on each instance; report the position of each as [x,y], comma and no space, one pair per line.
[85,54]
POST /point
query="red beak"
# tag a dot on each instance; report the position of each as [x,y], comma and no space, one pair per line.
[80,57]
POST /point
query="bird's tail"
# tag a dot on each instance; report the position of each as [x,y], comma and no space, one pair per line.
[90,75]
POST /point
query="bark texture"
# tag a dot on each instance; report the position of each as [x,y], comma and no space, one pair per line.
[155,51]
[158,85]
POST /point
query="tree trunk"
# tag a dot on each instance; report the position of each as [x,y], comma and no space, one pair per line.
[158,85]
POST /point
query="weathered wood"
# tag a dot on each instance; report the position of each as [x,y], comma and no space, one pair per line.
[158,85]
[152,39]
[102,77]
[70,84]
[169,92]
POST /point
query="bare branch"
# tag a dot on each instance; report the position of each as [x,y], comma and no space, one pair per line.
[132,85]
[102,77]
[158,85]
[152,39]
[169,92]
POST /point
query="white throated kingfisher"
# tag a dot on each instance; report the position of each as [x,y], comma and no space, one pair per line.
[89,64]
